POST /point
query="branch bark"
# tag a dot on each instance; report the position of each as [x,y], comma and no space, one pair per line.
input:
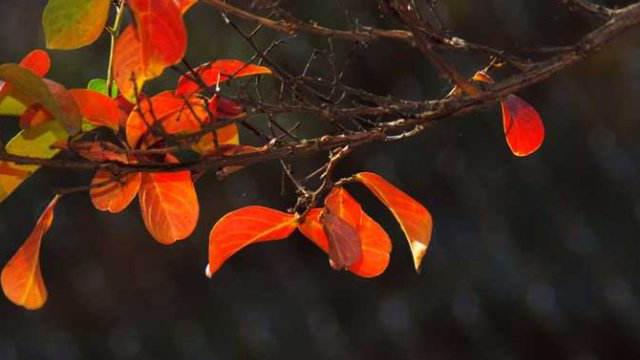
[422,114]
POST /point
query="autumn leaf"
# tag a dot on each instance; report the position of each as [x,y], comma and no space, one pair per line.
[523,127]
[162,34]
[114,194]
[345,247]
[27,87]
[217,72]
[376,244]
[71,24]
[39,63]
[175,115]
[34,142]
[415,220]
[185,5]
[169,205]
[243,227]
[21,277]
[128,71]
[98,109]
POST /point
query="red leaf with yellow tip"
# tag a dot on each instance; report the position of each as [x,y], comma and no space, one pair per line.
[128,71]
[376,244]
[21,277]
[243,227]
[162,33]
[523,127]
[98,109]
[415,220]
[169,205]
[112,194]
[217,72]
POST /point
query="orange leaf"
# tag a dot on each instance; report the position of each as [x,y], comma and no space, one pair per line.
[523,127]
[161,32]
[174,113]
[217,72]
[376,249]
[127,63]
[415,220]
[243,227]
[376,244]
[185,5]
[98,109]
[21,278]
[169,205]
[112,194]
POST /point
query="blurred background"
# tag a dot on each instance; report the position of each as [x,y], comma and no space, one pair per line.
[531,257]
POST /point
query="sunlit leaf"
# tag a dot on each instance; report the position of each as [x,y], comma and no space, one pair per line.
[169,205]
[161,32]
[217,72]
[28,87]
[244,227]
[415,220]
[185,5]
[98,109]
[34,142]
[37,61]
[111,193]
[175,115]
[376,244]
[9,106]
[523,127]
[100,85]
[128,70]
[70,24]
[21,277]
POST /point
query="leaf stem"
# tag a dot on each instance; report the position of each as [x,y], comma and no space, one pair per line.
[113,31]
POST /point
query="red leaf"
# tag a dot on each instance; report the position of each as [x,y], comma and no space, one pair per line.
[415,220]
[217,72]
[98,109]
[523,127]
[21,277]
[161,32]
[169,205]
[244,227]
[37,61]
[112,194]
[376,244]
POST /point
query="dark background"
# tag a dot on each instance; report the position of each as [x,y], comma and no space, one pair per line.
[530,258]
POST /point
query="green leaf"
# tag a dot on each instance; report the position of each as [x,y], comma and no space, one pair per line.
[9,106]
[71,24]
[100,85]
[35,142]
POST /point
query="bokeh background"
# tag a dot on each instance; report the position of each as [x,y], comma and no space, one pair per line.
[530,258]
